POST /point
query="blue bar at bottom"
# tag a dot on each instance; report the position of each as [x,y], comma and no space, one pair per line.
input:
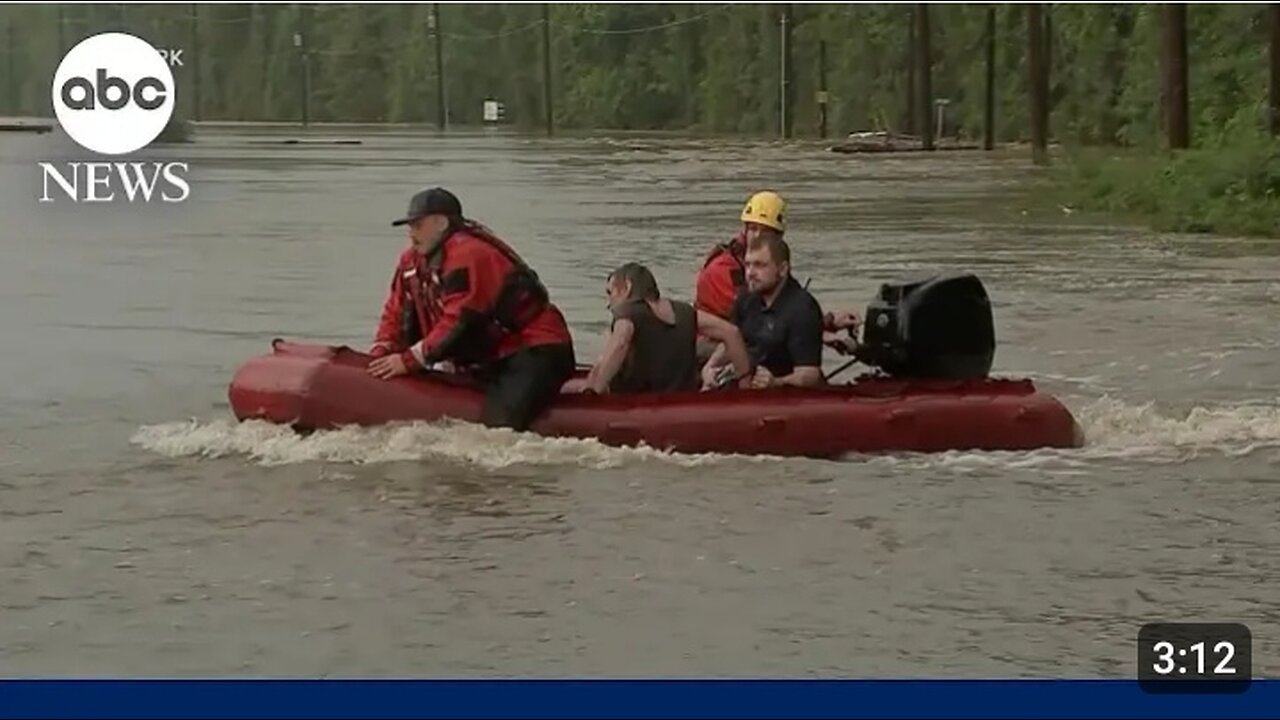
[376,699]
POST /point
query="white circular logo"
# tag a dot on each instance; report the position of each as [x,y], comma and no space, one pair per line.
[113,93]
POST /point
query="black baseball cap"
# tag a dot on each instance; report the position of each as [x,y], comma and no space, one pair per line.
[432,201]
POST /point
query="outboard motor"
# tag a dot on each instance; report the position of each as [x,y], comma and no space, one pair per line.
[936,327]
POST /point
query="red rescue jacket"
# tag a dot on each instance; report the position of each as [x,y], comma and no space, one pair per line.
[721,278]
[472,301]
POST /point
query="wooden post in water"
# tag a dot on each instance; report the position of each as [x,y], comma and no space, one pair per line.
[784,72]
[442,115]
[1039,84]
[1275,68]
[546,69]
[989,107]
[195,61]
[1174,65]
[823,98]
[924,85]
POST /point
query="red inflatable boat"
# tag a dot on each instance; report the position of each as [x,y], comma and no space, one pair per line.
[321,387]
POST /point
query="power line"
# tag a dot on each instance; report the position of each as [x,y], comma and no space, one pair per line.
[384,48]
[650,28]
[495,36]
[561,27]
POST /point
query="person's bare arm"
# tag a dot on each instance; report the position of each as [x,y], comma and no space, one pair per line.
[732,346]
[614,355]
[711,368]
[802,376]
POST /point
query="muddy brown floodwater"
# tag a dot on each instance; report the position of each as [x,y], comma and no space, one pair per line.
[142,532]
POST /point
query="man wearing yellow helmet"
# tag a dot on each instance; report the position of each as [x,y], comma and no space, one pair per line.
[723,274]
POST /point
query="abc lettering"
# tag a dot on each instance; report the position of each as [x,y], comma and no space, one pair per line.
[113,93]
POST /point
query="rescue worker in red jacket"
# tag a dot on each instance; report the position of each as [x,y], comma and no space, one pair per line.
[723,274]
[462,295]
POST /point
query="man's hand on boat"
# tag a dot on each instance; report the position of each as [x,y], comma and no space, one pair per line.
[724,376]
[840,332]
[843,344]
[388,366]
[836,322]
[762,378]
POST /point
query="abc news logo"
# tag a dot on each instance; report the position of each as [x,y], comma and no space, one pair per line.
[113,94]
[94,95]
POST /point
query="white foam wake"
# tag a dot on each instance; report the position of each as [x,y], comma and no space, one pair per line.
[490,448]
[1116,431]
[1111,424]
[1113,429]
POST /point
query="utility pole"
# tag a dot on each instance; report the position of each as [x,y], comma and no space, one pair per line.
[911,71]
[304,60]
[1174,32]
[989,109]
[11,81]
[442,111]
[546,69]
[1048,41]
[784,74]
[1048,63]
[1038,83]
[1275,69]
[823,97]
[195,61]
[924,86]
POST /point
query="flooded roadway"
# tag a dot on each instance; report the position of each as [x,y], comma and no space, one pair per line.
[144,533]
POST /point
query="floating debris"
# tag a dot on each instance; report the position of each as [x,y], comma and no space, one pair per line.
[889,142]
[308,141]
[30,125]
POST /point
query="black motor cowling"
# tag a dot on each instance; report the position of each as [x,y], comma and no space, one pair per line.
[935,327]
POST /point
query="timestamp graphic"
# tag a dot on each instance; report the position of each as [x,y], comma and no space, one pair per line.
[1195,657]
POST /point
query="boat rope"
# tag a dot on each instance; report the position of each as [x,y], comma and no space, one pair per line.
[840,369]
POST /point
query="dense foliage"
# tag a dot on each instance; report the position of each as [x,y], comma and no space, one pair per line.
[1227,189]
[712,68]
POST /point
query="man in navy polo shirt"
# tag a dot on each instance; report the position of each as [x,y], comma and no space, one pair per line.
[779,320]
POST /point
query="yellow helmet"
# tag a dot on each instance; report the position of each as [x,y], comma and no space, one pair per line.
[766,208]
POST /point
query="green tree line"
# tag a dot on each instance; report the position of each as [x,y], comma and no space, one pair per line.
[706,68]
